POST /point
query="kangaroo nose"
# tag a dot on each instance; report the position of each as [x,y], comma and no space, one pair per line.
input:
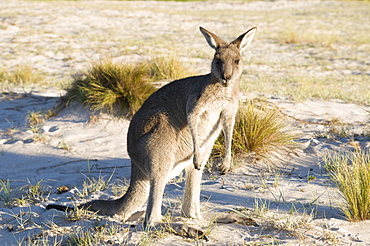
[227,72]
[228,77]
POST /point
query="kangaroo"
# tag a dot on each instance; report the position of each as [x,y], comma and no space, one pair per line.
[175,129]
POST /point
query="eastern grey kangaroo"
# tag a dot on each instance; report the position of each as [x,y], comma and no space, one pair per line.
[175,129]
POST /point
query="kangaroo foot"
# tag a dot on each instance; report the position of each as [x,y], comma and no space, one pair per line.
[181,229]
[228,218]
[184,230]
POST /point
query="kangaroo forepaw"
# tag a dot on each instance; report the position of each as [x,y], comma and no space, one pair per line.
[197,162]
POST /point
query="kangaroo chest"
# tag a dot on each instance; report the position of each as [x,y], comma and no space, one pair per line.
[216,107]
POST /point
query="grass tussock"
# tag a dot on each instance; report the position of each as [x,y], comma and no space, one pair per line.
[22,76]
[261,132]
[166,68]
[351,173]
[121,88]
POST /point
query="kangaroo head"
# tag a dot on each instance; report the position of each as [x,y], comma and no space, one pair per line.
[227,64]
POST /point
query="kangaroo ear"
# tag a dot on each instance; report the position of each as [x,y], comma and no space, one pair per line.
[244,40]
[212,39]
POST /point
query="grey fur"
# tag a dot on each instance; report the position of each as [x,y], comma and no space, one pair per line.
[176,128]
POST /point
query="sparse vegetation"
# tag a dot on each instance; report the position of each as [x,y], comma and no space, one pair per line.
[261,132]
[77,214]
[23,218]
[99,234]
[121,88]
[351,173]
[24,195]
[300,86]
[23,201]
[22,76]
[120,187]
[299,35]
[309,52]
[82,238]
[337,129]
[38,117]
[91,185]
[5,191]
[36,191]
[166,68]
[2,76]
[64,146]
[295,223]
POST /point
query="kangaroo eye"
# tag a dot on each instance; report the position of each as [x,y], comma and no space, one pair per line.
[237,62]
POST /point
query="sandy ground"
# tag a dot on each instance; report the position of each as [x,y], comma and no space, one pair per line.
[70,147]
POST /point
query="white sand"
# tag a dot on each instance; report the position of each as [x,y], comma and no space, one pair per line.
[99,149]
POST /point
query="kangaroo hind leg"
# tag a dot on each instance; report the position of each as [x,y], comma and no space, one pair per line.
[191,199]
[160,172]
[136,195]
[130,202]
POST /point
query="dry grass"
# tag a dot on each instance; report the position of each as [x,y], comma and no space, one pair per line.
[91,185]
[121,88]
[351,173]
[302,52]
[261,132]
[35,118]
[313,52]
[166,68]
[77,214]
[302,86]
[112,87]
[24,76]
[36,192]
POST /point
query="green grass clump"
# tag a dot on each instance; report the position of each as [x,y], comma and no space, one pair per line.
[351,173]
[261,132]
[111,86]
[121,88]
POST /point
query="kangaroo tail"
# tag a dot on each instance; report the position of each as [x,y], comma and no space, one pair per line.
[60,207]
